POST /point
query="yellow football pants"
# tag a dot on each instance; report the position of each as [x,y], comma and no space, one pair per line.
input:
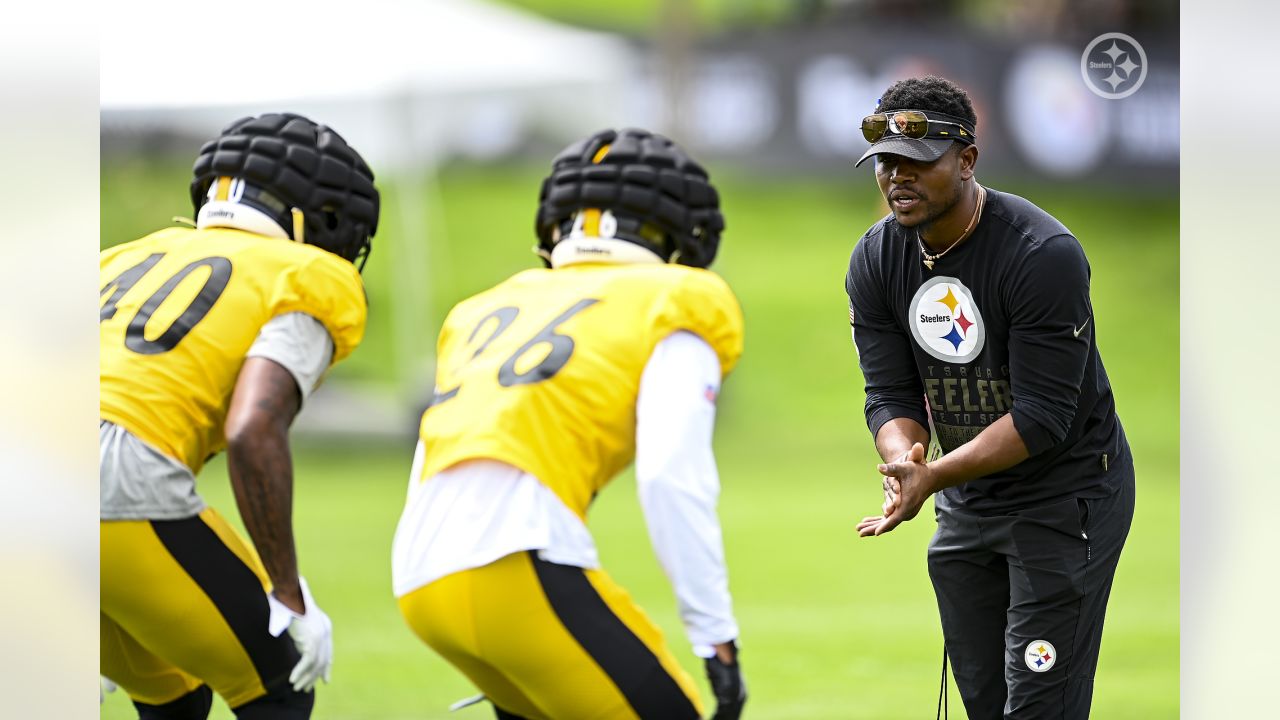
[552,642]
[183,603]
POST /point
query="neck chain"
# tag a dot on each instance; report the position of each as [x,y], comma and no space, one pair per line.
[930,259]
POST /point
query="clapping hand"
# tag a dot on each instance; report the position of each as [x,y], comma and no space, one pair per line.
[907,484]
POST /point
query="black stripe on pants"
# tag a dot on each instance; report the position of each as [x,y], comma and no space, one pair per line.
[646,685]
[235,591]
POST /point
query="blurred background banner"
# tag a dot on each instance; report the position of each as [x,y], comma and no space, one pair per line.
[459,106]
[788,98]
[416,83]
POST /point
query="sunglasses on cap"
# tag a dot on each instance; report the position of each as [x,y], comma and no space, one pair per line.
[912,124]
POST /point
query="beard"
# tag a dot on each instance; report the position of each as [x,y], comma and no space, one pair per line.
[933,208]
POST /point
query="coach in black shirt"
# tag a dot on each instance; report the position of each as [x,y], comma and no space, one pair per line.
[972,321]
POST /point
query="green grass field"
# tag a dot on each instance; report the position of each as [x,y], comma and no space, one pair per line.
[832,626]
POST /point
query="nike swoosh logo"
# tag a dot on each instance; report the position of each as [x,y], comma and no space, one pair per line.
[1082,327]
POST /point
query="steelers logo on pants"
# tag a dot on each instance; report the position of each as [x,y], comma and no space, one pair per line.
[1040,655]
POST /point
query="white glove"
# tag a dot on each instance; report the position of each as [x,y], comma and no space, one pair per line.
[105,686]
[312,632]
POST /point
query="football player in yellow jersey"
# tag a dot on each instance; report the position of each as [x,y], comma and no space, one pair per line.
[547,386]
[211,338]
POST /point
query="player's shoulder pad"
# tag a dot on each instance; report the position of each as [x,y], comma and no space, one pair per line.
[150,242]
[531,276]
[328,288]
[701,302]
[469,309]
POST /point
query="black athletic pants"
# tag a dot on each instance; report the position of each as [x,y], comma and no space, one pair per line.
[1022,598]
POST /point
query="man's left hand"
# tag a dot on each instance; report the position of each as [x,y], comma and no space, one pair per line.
[914,482]
[725,675]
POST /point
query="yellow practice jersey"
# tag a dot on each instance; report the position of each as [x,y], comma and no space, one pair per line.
[181,307]
[542,371]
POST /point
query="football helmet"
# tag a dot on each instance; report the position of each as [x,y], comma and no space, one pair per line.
[301,174]
[661,199]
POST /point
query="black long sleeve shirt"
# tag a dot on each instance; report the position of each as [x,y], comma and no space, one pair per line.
[1001,324]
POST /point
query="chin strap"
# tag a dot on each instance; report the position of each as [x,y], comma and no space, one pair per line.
[299,225]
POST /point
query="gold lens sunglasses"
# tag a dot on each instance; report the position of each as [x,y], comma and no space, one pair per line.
[909,123]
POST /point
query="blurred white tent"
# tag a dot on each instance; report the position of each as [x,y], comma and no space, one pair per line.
[409,83]
[405,81]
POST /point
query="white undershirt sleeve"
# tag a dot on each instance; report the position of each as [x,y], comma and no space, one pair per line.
[679,486]
[300,344]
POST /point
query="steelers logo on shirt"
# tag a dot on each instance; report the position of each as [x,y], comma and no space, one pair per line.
[945,321]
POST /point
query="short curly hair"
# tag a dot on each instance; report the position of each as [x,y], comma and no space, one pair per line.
[928,93]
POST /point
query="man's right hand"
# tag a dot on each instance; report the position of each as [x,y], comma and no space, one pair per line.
[725,674]
[892,489]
